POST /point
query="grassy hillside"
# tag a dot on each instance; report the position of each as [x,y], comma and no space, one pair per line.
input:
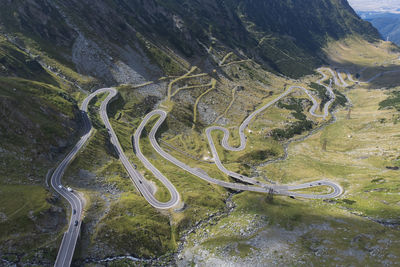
[386,23]
[359,151]
[207,63]
[38,123]
[14,62]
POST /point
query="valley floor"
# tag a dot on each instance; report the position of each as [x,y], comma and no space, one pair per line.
[355,147]
[361,226]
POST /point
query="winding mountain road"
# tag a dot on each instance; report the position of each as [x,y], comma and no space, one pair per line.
[376,76]
[380,75]
[256,186]
[261,187]
[338,81]
[67,247]
[139,181]
[68,243]
[246,122]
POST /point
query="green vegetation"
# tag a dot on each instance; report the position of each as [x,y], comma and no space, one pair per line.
[301,125]
[31,200]
[23,219]
[132,225]
[184,76]
[393,101]
[14,62]
[130,215]
[257,156]
[167,64]
[200,197]
[33,113]
[352,153]
[301,225]
[294,129]
[295,104]
[321,92]
[37,123]
[40,121]
[340,100]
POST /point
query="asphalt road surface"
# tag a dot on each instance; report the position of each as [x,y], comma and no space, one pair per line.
[255,185]
[378,75]
[67,247]
[66,251]
[139,181]
[68,243]
[339,82]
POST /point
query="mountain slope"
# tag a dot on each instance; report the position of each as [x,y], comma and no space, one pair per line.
[388,24]
[207,62]
[277,34]
[38,123]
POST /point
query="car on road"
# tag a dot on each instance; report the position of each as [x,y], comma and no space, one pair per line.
[74,211]
[60,186]
[76,223]
[69,189]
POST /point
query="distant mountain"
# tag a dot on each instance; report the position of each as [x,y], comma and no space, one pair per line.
[389,6]
[52,52]
[388,24]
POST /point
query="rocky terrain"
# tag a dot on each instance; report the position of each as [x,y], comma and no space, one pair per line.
[208,63]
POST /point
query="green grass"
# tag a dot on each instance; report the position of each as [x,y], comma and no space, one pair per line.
[257,156]
[198,204]
[200,197]
[321,92]
[133,226]
[258,149]
[393,101]
[296,105]
[296,128]
[358,150]
[38,123]
[26,210]
[15,62]
[31,199]
[51,96]
[309,223]
[340,100]
[119,223]
[36,116]
[167,63]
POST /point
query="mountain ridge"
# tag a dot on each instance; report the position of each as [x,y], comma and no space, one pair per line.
[386,23]
[207,63]
[254,27]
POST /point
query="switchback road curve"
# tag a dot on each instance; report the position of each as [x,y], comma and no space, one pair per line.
[68,243]
[255,185]
[66,251]
[262,188]
[136,177]
[246,122]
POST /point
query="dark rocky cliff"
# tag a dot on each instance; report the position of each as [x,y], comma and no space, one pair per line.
[284,36]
